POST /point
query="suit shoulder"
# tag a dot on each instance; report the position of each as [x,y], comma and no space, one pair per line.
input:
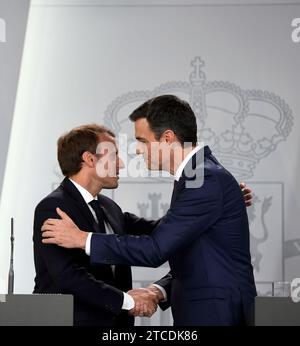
[55,198]
[213,166]
[225,178]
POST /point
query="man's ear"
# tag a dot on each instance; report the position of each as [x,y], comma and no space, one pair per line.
[169,136]
[88,159]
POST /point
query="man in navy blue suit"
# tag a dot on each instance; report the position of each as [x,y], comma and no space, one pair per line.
[204,235]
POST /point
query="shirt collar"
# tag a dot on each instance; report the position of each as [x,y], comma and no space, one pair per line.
[86,195]
[181,167]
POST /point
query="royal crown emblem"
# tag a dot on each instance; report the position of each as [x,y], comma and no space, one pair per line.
[240,126]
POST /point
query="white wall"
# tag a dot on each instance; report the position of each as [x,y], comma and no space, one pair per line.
[13,19]
[94,61]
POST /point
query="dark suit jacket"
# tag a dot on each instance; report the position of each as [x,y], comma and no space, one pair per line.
[205,237]
[98,295]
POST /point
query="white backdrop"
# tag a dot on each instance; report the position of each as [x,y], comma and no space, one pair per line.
[13,19]
[94,61]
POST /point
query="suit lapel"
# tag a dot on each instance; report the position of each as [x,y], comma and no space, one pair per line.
[82,207]
[197,161]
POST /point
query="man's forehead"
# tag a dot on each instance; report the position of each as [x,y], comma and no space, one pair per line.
[142,129]
[106,137]
[142,124]
[107,140]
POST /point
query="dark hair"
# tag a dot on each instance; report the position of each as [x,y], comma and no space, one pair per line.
[168,112]
[73,144]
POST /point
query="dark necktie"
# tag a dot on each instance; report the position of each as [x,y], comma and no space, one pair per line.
[99,214]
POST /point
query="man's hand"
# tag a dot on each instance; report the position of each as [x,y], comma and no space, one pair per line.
[145,302]
[63,232]
[157,291]
[247,193]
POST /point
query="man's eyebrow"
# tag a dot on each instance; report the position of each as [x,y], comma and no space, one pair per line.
[140,138]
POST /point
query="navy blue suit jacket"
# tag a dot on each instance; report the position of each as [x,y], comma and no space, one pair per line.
[205,238]
[98,294]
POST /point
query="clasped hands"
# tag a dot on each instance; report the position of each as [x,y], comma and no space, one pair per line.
[146,301]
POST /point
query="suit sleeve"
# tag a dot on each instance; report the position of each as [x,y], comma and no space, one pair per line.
[194,212]
[68,275]
[137,225]
[166,283]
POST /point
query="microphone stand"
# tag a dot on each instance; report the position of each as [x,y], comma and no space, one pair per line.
[11,267]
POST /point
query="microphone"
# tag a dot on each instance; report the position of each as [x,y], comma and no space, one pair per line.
[11,267]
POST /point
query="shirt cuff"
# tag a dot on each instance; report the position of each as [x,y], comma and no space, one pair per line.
[163,291]
[88,244]
[128,302]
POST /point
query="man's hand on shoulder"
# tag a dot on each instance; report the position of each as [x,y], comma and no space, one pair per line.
[63,232]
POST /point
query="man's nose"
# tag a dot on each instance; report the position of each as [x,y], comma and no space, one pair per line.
[120,163]
[140,148]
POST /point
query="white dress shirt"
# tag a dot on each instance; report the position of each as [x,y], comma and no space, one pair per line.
[128,302]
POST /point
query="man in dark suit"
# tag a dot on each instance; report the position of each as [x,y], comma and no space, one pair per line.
[99,292]
[204,235]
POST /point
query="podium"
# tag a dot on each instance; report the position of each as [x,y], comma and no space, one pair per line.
[276,311]
[36,310]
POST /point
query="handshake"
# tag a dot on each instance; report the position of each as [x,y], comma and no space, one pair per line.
[146,301]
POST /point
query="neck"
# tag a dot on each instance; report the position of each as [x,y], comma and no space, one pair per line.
[179,158]
[91,185]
